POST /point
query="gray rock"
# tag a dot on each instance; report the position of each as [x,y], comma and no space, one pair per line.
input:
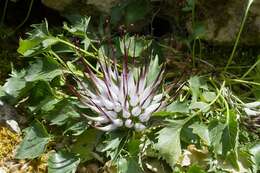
[9,117]
[58,5]
[222,20]
[68,6]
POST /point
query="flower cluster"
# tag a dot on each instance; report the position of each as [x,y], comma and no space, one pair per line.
[122,99]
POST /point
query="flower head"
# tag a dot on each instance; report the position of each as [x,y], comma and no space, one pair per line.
[122,99]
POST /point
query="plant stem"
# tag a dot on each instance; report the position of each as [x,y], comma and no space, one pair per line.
[85,52]
[65,65]
[193,53]
[4,13]
[211,103]
[244,81]
[238,36]
[77,48]
[193,13]
[251,68]
[26,17]
[193,25]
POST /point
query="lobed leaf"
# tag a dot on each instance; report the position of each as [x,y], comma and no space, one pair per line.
[169,144]
[62,162]
[202,131]
[34,142]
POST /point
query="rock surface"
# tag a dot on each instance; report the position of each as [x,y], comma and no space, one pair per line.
[103,6]
[220,18]
[9,117]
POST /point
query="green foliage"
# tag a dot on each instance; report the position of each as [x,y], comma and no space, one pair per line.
[85,144]
[133,46]
[169,145]
[255,151]
[202,131]
[34,143]
[62,162]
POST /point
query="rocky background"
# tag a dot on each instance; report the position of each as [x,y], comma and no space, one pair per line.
[220,18]
[215,23]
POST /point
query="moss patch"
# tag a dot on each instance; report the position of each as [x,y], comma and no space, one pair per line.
[8,142]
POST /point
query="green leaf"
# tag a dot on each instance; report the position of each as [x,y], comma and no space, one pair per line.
[169,144]
[76,128]
[154,69]
[28,47]
[15,84]
[202,131]
[224,138]
[244,163]
[133,166]
[63,111]
[39,30]
[128,165]
[112,147]
[178,107]
[79,27]
[196,83]
[133,147]
[40,91]
[208,96]
[49,41]
[86,143]
[195,169]
[255,151]
[45,105]
[2,92]
[39,41]
[112,144]
[134,46]
[162,114]
[216,130]
[43,69]
[62,162]
[230,134]
[202,106]
[34,143]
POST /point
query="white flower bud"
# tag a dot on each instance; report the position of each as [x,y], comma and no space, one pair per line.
[118,122]
[139,127]
[144,117]
[126,114]
[133,100]
[136,111]
[129,123]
